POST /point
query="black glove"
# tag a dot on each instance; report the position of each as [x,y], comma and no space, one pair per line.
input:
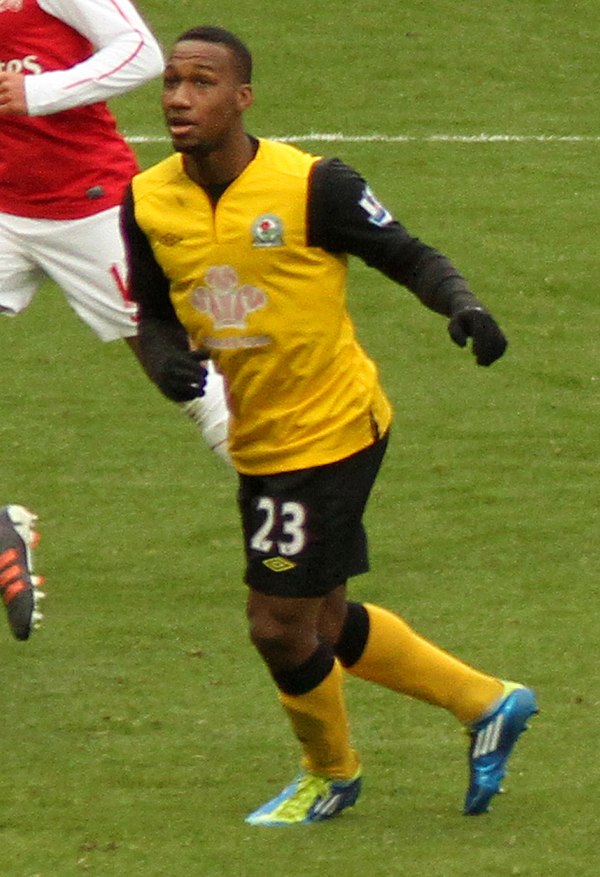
[489,342]
[182,376]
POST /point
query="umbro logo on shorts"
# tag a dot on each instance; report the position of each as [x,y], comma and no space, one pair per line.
[278,564]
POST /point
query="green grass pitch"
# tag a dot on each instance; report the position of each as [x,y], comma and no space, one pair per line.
[138,725]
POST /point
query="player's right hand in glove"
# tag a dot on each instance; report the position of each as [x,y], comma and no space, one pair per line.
[182,376]
[489,342]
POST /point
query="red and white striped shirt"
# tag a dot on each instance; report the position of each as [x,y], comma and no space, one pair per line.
[66,159]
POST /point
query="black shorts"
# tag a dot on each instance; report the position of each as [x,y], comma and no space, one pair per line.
[303,531]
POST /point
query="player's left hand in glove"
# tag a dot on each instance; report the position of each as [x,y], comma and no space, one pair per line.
[182,376]
[489,342]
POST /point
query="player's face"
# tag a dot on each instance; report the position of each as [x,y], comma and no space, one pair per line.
[202,97]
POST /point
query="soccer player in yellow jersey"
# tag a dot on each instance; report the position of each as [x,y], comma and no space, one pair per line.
[241,244]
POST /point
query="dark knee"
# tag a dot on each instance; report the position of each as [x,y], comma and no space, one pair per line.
[275,642]
[282,643]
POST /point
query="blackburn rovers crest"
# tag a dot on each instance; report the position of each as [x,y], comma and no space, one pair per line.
[267,231]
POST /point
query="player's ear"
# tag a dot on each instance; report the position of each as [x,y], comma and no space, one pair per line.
[245,97]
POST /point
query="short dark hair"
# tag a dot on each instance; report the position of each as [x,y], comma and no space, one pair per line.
[210,33]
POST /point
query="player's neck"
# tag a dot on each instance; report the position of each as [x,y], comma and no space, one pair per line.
[222,165]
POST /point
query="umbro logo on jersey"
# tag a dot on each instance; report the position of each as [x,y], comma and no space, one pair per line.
[168,239]
[11,5]
[278,564]
[488,738]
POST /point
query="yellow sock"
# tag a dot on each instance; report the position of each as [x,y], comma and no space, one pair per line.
[397,657]
[320,722]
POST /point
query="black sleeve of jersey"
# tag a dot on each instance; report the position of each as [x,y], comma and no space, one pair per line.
[345,217]
[162,337]
[148,285]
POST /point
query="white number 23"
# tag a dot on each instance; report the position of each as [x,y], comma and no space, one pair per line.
[292,516]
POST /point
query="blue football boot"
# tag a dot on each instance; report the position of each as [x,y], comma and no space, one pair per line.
[492,740]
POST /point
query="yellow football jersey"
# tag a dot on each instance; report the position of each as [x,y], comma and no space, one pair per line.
[271,310]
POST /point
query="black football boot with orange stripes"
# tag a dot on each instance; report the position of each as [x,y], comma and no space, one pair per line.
[19,587]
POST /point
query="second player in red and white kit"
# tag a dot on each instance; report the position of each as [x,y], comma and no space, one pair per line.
[64,165]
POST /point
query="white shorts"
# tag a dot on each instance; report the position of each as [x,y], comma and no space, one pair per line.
[85,257]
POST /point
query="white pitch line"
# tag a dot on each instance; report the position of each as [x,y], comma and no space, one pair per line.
[338,137]
[444,138]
